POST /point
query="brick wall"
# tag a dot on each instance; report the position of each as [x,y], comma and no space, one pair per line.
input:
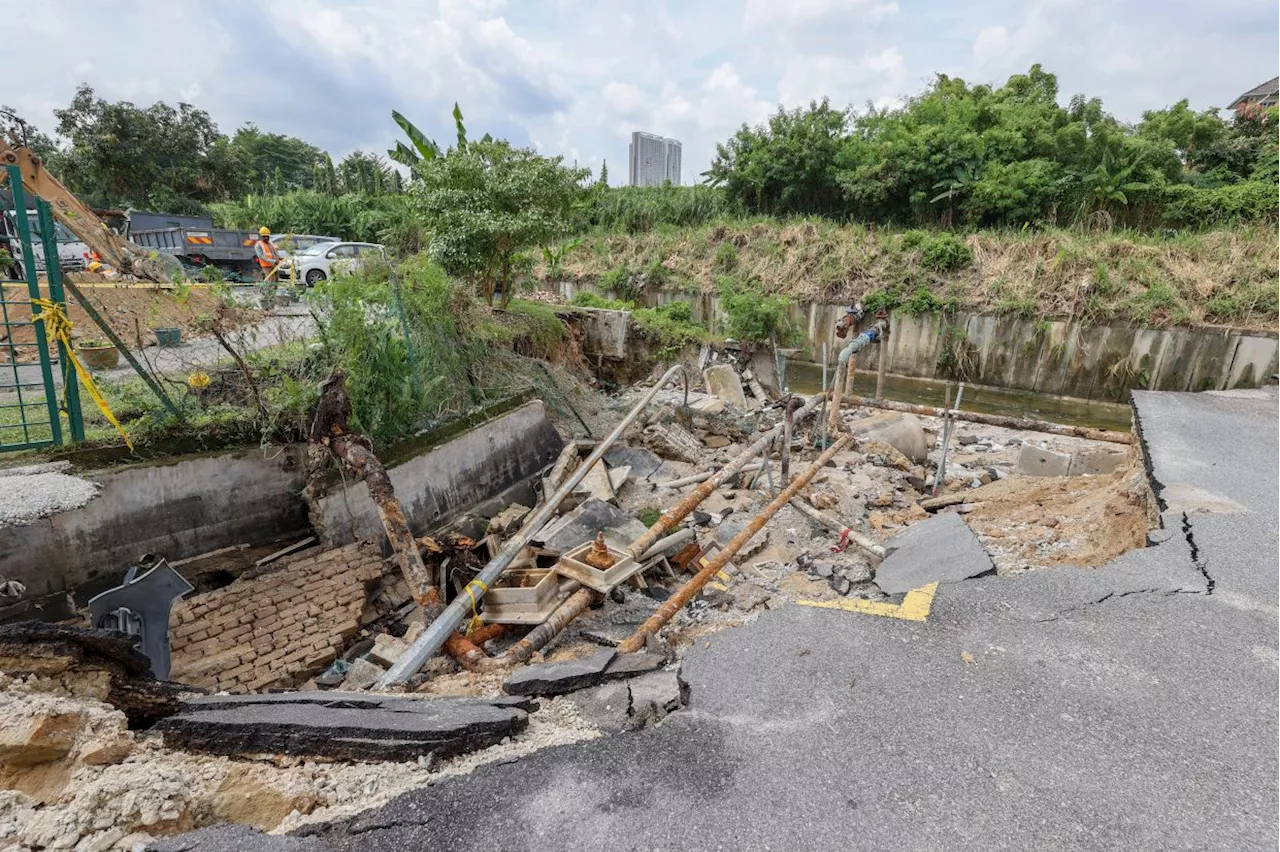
[275,629]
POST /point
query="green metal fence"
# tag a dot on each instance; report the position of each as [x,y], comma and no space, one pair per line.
[31,414]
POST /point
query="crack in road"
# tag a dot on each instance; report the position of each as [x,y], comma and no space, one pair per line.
[1201,564]
[1116,595]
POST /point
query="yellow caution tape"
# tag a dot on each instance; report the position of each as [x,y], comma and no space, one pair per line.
[476,621]
[58,325]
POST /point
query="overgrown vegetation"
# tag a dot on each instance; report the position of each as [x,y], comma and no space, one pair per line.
[671,325]
[1219,277]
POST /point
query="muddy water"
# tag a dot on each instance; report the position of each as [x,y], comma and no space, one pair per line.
[806,378]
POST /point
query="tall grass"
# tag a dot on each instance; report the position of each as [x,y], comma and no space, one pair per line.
[637,209]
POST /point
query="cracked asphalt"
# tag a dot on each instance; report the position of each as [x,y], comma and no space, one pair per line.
[1131,707]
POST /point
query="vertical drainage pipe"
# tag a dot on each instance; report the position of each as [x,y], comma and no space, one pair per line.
[686,592]
[426,645]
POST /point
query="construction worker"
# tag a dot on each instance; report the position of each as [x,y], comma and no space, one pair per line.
[100,268]
[265,253]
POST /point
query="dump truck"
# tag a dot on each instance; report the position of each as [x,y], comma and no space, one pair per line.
[193,240]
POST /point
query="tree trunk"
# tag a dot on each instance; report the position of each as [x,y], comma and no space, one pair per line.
[330,434]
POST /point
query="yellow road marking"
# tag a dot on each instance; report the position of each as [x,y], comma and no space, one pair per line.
[914,607]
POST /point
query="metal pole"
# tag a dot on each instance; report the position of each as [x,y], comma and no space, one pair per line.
[124,350]
[70,379]
[883,361]
[824,395]
[686,592]
[426,645]
[946,441]
[33,291]
[786,443]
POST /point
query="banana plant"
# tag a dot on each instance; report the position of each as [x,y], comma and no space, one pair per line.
[554,257]
[423,148]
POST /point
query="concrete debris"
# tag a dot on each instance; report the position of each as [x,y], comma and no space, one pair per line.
[632,704]
[1038,461]
[940,549]
[508,520]
[297,724]
[26,498]
[716,442]
[673,441]
[386,650]
[722,382]
[362,674]
[708,405]
[641,461]
[583,523]
[1096,462]
[903,432]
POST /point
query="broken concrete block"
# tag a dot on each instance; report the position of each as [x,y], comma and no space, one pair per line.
[386,650]
[673,441]
[903,432]
[839,584]
[583,523]
[596,483]
[362,675]
[508,520]
[722,381]
[559,678]
[709,405]
[1096,462]
[641,461]
[324,725]
[715,442]
[1038,461]
[940,549]
[618,477]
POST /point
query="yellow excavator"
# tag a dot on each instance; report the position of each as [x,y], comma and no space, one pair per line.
[114,250]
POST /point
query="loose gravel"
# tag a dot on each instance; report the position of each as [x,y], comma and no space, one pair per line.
[27,497]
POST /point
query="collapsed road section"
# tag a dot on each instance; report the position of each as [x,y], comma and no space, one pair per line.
[315,677]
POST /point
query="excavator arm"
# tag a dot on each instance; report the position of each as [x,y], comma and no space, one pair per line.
[80,220]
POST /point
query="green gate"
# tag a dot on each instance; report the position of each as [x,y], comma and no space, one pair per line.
[31,414]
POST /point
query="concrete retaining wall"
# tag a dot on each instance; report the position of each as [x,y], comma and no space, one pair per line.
[177,508]
[442,481]
[186,506]
[1055,357]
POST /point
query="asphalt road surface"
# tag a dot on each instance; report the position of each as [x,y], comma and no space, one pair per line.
[1133,707]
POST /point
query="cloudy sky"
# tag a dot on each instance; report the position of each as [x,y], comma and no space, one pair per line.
[575,77]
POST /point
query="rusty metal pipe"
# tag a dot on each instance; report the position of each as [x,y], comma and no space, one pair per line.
[681,510]
[575,605]
[1002,421]
[686,592]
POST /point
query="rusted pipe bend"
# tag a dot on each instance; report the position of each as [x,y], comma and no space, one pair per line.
[686,592]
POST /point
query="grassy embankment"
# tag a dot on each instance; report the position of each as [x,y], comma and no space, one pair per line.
[1216,278]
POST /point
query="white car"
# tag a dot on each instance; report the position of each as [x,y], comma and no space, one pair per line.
[323,261]
[287,244]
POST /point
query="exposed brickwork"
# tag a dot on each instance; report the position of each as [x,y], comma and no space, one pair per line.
[277,628]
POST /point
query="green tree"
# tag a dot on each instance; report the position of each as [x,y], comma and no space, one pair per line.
[268,155]
[488,202]
[786,166]
[164,157]
[367,174]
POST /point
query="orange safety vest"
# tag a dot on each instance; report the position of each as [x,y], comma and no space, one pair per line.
[265,254]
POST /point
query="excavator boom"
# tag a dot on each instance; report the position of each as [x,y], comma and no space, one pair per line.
[80,220]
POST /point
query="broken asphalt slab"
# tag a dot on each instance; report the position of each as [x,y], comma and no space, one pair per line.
[392,729]
[571,675]
[939,550]
[629,705]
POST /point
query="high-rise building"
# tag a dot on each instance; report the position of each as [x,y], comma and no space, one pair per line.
[654,160]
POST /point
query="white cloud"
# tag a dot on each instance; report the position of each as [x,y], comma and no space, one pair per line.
[576,77]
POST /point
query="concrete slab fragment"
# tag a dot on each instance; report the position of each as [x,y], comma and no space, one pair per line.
[1037,461]
[584,522]
[723,383]
[1096,462]
[903,432]
[641,461]
[941,549]
[559,678]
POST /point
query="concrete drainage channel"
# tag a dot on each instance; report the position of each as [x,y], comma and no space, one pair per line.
[614,570]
